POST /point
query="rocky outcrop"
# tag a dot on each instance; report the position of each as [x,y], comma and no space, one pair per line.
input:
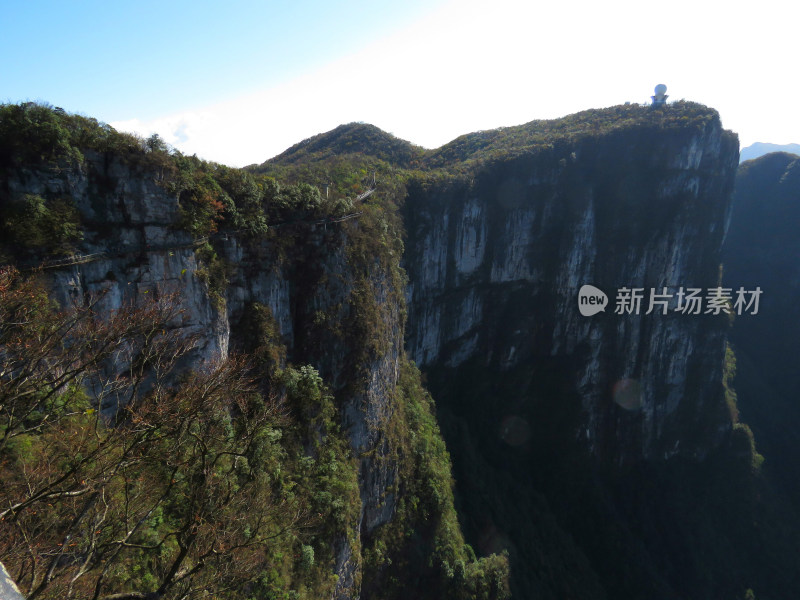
[8,590]
[498,245]
[762,249]
[133,249]
[495,263]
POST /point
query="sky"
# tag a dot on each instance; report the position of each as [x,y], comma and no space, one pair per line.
[239,81]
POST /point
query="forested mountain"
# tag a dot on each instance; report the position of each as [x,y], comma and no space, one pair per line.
[230,383]
[762,249]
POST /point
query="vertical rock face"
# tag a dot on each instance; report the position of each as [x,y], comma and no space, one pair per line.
[309,294]
[495,264]
[133,249]
[496,252]
[762,249]
[8,590]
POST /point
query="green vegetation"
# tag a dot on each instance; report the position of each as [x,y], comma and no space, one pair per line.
[237,480]
[214,272]
[32,225]
[320,177]
[355,144]
[761,250]
[207,486]
[421,552]
[234,480]
[211,197]
[351,140]
[743,443]
[680,528]
[509,142]
[35,134]
[214,198]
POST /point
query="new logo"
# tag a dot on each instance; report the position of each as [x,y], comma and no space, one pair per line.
[591,300]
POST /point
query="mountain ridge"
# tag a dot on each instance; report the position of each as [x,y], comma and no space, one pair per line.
[370,140]
[761,148]
[583,493]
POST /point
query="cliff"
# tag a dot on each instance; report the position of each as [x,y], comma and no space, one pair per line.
[495,263]
[109,222]
[589,450]
[762,250]
[503,227]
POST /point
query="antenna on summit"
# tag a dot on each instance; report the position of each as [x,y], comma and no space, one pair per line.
[660,97]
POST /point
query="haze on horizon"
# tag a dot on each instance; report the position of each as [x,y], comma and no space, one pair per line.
[241,85]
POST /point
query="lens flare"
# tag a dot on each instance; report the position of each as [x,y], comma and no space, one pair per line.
[515,431]
[627,393]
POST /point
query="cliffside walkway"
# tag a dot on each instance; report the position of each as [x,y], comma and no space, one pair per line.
[80,259]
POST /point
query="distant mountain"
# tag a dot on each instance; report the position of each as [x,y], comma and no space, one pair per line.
[352,138]
[762,249]
[760,149]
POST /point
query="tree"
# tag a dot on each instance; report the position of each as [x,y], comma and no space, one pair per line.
[31,223]
[156,144]
[127,485]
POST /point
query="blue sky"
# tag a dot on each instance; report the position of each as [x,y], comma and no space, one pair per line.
[238,81]
[118,60]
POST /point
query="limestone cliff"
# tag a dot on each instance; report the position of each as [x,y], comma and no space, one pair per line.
[762,250]
[495,263]
[132,249]
[571,436]
[591,449]
[110,221]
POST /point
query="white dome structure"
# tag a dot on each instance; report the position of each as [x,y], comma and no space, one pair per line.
[660,97]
